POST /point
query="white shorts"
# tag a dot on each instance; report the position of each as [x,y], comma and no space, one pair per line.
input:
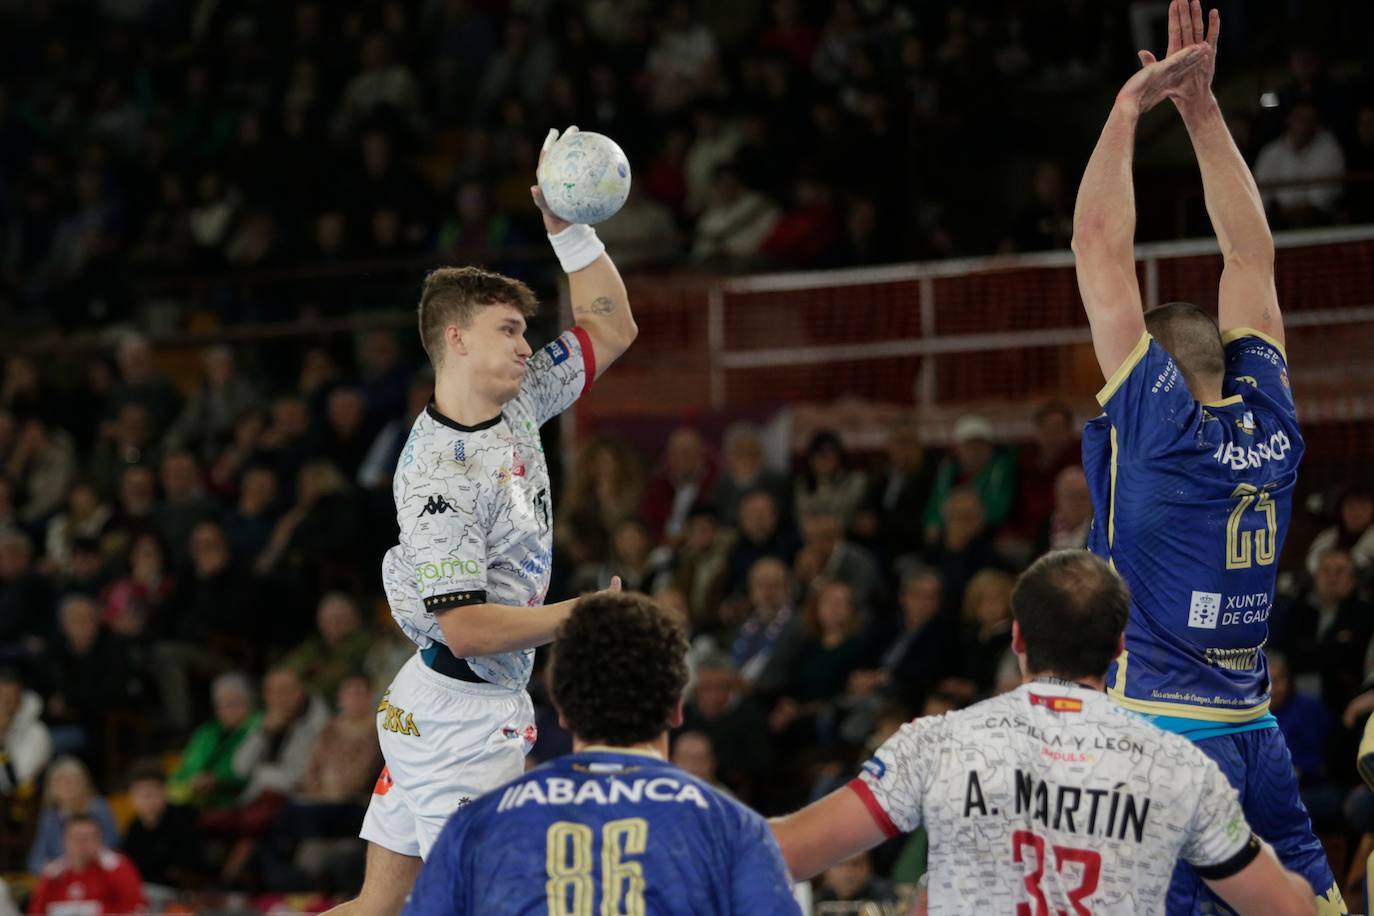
[445,742]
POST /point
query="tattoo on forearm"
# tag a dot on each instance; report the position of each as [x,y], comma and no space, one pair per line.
[601,305]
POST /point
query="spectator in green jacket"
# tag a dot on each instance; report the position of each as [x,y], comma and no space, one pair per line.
[977,463]
[206,777]
[337,649]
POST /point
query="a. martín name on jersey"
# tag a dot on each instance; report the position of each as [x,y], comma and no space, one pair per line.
[1110,813]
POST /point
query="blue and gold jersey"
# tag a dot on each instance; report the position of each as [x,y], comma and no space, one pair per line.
[1191,506]
[604,831]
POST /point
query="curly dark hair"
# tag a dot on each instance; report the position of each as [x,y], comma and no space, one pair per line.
[619,667]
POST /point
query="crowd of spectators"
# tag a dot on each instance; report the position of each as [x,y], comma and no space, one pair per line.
[188,626]
[142,141]
[193,637]
[192,633]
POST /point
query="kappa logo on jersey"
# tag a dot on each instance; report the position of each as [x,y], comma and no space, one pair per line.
[435,505]
[558,352]
[1205,611]
[1057,704]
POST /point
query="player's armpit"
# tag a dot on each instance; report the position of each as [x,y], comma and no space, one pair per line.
[837,827]
[1111,298]
[1128,362]
[1253,881]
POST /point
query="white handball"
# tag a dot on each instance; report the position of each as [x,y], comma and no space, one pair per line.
[585,177]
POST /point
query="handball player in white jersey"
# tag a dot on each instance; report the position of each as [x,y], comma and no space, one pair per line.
[467,581]
[1051,798]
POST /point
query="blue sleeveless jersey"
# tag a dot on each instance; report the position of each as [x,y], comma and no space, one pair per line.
[1191,506]
[604,831]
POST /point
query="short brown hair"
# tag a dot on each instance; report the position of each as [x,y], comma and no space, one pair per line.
[619,668]
[1191,337]
[451,295]
[1072,608]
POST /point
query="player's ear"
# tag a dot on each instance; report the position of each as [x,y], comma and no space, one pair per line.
[454,340]
[1018,642]
[675,719]
[1120,646]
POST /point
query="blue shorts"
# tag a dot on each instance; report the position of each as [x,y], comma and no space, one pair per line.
[1257,763]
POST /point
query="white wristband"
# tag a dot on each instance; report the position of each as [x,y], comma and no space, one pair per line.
[577,247]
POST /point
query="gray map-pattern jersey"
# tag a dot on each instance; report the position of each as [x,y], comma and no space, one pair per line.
[1052,790]
[474,508]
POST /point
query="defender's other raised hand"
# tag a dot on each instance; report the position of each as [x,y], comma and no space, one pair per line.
[1160,79]
[1185,31]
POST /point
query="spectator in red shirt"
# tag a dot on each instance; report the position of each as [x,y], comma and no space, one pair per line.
[1054,448]
[89,879]
[686,475]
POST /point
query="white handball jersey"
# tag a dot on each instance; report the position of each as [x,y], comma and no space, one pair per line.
[474,508]
[1052,799]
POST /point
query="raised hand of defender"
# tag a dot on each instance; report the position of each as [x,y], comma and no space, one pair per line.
[552,224]
[1161,79]
[1186,31]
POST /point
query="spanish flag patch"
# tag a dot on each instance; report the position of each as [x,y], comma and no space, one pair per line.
[1057,704]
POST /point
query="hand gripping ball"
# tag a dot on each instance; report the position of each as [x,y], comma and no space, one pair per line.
[585,177]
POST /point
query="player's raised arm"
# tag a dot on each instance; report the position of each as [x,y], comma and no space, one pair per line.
[1104,215]
[600,304]
[1248,298]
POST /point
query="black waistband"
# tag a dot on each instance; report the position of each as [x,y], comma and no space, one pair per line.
[439,659]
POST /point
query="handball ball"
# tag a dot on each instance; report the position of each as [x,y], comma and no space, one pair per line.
[585,178]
